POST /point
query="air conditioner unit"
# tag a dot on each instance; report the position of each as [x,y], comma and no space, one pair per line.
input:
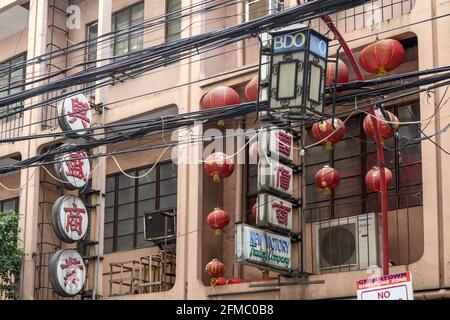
[347,244]
[160,226]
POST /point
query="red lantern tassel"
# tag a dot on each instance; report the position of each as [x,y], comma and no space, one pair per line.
[219,232]
[329,146]
[327,192]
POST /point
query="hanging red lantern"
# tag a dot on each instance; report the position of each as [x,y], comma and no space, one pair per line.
[218,220]
[382,56]
[219,281]
[253,153]
[235,281]
[342,77]
[327,179]
[387,130]
[323,131]
[373,178]
[218,165]
[252,90]
[220,97]
[254,208]
[215,269]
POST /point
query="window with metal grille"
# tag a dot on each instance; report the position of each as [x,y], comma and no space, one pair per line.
[128,199]
[12,81]
[129,41]
[354,156]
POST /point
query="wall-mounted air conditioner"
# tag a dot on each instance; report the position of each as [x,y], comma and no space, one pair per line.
[347,244]
[160,226]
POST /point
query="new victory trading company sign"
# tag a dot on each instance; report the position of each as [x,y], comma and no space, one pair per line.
[75,114]
[392,287]
[262,248]
[70,219]
[67,272]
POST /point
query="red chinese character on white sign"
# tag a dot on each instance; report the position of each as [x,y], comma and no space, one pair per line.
[79,112]
[74,220]
[75,166]
[282,212]
[284,143]
[283,178]
[71,266]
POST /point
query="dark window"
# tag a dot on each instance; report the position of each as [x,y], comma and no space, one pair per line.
[173,22]
[12,81]
[354,157]
[91,50]
[128,199]
[9,205]
[129,41]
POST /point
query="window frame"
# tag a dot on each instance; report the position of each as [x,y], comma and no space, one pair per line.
[130,23]
[135,216]
[271,3]
[366,196]
[2,203]
[20,105]
[167,22]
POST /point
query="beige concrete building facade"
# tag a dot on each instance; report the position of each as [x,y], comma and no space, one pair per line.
[419,211]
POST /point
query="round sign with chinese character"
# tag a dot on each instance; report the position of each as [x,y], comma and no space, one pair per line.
[74,169]
[75,114]
[70,219]
[67,272]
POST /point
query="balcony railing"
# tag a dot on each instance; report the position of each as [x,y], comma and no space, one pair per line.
[152,273]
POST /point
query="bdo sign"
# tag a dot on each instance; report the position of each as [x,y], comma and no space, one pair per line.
[392,287]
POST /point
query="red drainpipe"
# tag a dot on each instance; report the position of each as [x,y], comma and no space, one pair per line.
[378,140]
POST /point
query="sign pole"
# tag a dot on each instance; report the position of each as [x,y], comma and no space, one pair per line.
[380,150]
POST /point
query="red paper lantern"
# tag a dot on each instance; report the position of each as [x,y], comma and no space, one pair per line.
[327,179]
[219,281]
[373,178]
[218,165]
[252,90]
[215,269]
[253,153]
[220,97]
[254,208]
[218,220]
[323,131]
[235,281]
[387,130]
[343,76]
[382,56]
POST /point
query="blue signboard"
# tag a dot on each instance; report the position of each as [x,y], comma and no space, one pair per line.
[318,46]
[289,42]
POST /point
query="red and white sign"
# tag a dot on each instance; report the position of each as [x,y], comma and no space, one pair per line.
[75,114]
[67,272]
[278,143]
[275,175]
[274,212]
[392,287]
[74,170]
[70,219]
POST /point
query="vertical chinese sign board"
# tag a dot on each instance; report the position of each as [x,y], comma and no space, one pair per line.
[392,287]
[269,246]
[70,219]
